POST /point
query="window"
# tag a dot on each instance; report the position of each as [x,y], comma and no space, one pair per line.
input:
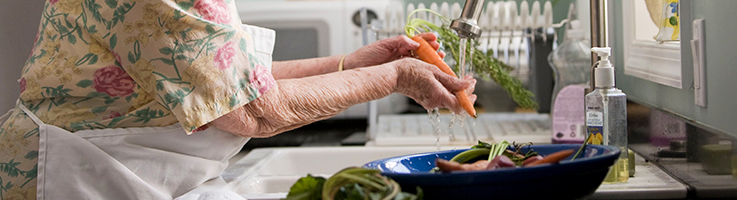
[644,57]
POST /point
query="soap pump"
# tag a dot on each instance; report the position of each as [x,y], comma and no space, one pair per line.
[604,72]
[606,115]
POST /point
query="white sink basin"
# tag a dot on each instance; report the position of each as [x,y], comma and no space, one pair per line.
[268,173]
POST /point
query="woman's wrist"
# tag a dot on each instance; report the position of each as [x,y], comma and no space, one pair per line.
[391,73]
[348,61]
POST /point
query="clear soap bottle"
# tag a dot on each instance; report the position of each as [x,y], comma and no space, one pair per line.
[571,63]
[606,115]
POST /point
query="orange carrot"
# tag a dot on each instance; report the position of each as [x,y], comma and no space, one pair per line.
[429,55]
[552,158]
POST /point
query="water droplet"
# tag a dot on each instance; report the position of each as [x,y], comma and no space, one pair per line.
[455,119]
[434,116]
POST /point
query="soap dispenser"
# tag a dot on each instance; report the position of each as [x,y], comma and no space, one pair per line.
[606,115]
[571,63]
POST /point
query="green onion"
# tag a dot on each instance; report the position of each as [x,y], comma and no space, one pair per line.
[498,149]
[470,154]
[585,142]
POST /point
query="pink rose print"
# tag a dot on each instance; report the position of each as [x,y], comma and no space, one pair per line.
[262,79]
[224,56]
[22,85]
[53,1]
[113,114]
[113,81]
[213,10]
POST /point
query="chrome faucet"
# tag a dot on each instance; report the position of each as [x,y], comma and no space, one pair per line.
[465,25]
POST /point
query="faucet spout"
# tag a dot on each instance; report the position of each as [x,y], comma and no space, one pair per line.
[466,25]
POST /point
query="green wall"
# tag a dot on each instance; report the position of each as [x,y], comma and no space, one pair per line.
[721,83]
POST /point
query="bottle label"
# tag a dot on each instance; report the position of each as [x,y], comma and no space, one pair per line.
[569,115]
[595,127]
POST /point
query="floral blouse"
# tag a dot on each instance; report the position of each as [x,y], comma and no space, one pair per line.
[128,63]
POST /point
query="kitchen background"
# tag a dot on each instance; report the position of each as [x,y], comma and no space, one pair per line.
[656,109]
[19,21]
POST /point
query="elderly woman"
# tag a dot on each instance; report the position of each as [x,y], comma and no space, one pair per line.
[147,99]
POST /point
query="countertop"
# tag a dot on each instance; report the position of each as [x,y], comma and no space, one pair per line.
[267,173]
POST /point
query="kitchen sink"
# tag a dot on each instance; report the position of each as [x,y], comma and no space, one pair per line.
[268,173]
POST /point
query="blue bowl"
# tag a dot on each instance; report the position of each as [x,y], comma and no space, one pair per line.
[567,180]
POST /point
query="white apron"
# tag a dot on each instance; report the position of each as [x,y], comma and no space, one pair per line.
[133,163]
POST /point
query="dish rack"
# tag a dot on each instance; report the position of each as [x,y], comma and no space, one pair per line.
[506,25]
[417,130]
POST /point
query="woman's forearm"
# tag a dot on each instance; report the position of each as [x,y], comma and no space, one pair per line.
[305,67]
[382,51]
[297,102]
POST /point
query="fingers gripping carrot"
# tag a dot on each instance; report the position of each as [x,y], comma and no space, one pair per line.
[429,55]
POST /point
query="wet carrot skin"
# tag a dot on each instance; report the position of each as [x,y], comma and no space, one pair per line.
[429,55]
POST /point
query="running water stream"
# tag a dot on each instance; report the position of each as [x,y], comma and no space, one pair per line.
[465,70]
[462,58]
[434,115]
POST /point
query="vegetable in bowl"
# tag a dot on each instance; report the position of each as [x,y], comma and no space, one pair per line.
[364,183]
[500,156]
[568,179]
[350,183]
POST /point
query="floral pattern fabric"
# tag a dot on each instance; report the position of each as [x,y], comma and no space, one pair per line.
[128,63]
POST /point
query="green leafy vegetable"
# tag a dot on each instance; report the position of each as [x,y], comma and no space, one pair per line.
[350,183]
[306,188]
[493,150]
[353,191]
[482,144]
[515,155]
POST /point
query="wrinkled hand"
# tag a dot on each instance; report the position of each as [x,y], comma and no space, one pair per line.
[429,86]
[387,50]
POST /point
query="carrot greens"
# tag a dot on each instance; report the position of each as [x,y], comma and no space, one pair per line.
[493,150]
[498,149]
[485,66]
